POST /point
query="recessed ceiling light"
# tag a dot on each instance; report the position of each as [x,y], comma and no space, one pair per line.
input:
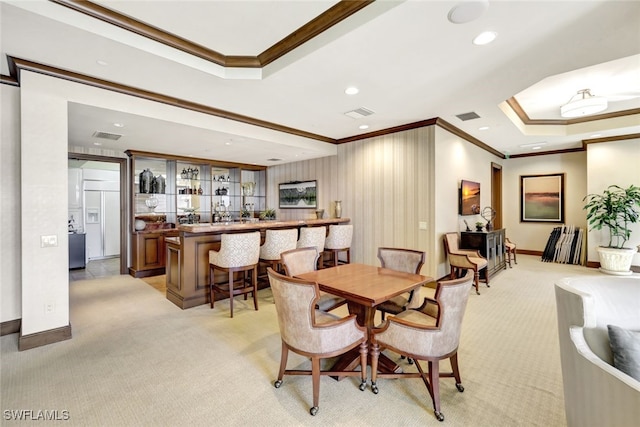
[595,135]
[467,11]
[227,143]
[483,128]
[97,143]
[485,38]
[537,147]
[101,62]
[363,127]
[119,125]
[351,90]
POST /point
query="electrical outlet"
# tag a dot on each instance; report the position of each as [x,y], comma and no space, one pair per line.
[49,241]
[49,308]
[422,225]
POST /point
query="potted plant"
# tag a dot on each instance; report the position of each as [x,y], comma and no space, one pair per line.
[615,209]
[479,225]
[268,214]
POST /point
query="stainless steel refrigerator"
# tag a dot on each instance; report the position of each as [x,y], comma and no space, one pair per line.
[102,219]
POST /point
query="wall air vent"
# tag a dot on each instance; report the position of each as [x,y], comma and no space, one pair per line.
[468,116]
[274,160]
[107,135]
[359,113]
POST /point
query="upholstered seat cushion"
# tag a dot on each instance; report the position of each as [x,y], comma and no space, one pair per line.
[417,317]
[324,317]
[510,246]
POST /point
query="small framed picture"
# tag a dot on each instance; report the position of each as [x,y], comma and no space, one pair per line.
[299,194]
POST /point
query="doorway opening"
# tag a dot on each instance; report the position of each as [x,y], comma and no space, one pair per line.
[496,194]
[97,204]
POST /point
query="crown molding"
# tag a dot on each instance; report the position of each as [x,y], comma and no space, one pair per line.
[332,16]
[9,80]
[522,115]
[17,65]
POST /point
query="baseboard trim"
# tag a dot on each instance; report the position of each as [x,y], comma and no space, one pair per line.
[10,327]
[27,342]
[529,252]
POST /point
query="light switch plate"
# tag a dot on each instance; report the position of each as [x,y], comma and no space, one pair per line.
[49,241]
[422,225]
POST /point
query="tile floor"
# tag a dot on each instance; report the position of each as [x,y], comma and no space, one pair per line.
[96,268]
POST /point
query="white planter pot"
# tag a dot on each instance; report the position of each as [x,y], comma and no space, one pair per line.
[615,261]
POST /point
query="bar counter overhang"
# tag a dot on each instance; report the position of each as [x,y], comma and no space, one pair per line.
[187,263]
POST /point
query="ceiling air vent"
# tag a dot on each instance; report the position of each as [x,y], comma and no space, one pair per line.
[107,135]
[274,160]
[468,116]
[359,113]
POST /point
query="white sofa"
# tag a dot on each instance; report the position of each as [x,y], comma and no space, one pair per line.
[596,393]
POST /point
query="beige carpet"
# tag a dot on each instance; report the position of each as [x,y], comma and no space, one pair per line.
[136,359]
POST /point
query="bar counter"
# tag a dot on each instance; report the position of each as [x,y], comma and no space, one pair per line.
[187,266]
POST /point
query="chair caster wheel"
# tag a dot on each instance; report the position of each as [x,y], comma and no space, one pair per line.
[313,410]
[409,361]
[439,416]
[277,384]
[460,387]
[363,385]
[374,388]
[488,286]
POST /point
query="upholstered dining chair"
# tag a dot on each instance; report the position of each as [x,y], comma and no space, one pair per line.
[313,236]
[461,259]
[421,337]
[511,251]
[303,260]
[313,333]
[338,240]
[276,242]
[238,253]
[407,261]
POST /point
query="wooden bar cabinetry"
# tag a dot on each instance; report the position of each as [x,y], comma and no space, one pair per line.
[491,246]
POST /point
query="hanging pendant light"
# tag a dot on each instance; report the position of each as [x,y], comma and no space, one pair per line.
[583,104]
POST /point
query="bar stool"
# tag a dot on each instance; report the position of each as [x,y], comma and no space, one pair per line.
[338,240]
[511,250]
[313,236]
[238,253]
[276,242]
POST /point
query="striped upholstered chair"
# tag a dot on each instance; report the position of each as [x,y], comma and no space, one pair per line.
[276,242]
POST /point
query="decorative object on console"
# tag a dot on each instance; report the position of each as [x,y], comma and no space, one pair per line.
[139,224]
[469,200]
[542,198]
[268,214]
[152,203]
[479,226]
[298,194]
[489,214]
[467,224]
[319,213]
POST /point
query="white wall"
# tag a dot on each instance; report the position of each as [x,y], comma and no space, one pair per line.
[612,163]
[533,236]
[10,200]
[457,159]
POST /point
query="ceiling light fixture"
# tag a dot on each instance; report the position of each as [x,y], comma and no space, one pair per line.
[119,125]
[483,128]
[584,105]
[363,127]
[351,90]
[101,62]
[485,38]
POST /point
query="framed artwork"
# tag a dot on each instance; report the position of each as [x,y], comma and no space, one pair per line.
[469,200]
[298,194]
[542,198]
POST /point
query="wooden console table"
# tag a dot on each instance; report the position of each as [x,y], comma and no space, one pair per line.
[491,246]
